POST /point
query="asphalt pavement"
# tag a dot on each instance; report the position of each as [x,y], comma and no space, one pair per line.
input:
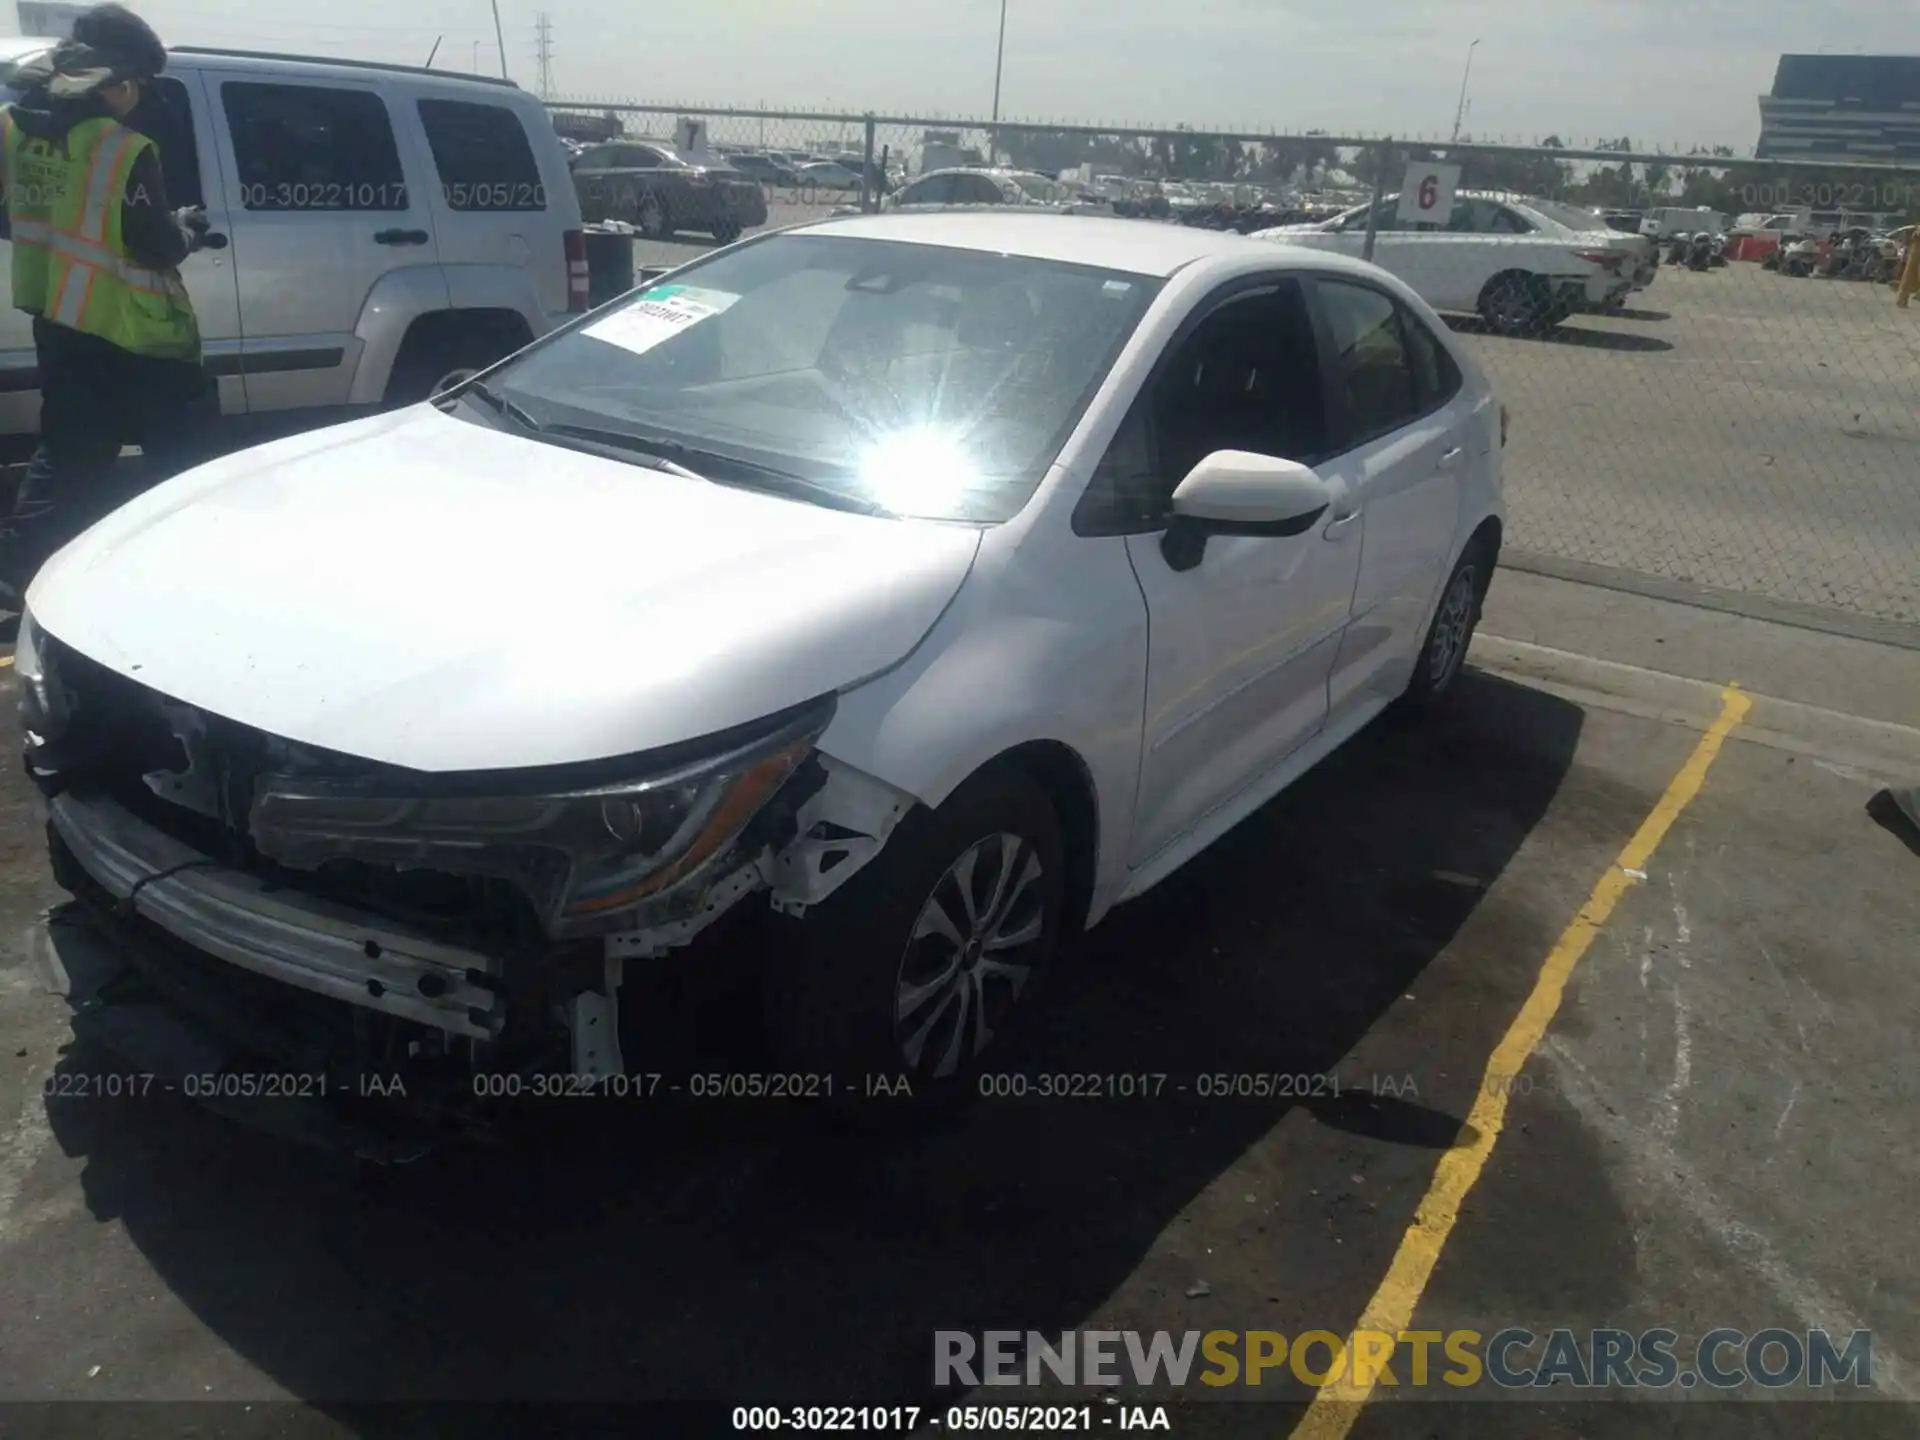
[1711,1128]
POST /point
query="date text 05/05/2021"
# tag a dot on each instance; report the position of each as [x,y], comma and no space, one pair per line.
[959,1419]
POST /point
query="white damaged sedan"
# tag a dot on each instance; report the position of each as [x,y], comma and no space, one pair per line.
[928,584]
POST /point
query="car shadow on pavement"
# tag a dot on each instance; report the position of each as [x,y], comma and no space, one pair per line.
[1651,315]
[775,1251]
[1576,336]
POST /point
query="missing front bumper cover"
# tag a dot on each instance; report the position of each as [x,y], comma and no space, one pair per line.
[297,940]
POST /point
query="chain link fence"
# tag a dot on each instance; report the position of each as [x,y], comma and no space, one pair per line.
[1714,386]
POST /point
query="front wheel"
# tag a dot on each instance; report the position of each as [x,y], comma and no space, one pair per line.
[930,957]
[650,217]
[726,232]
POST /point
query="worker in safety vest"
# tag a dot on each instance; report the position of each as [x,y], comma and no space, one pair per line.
[96,251]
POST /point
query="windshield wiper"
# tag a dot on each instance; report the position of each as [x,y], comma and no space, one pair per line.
[500,405]
[674,455]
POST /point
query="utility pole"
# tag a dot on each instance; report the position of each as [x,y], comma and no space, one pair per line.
[999,64]
[1460,114]
[543,30]
[500,39]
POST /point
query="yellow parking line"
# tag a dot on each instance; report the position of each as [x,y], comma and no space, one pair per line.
[1336,1407]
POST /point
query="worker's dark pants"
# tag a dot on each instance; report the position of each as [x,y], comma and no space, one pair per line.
[95,398]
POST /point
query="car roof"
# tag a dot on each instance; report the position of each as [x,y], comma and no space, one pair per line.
[263,62]
[1134,246]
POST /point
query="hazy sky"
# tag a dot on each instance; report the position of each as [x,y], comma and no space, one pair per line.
[1683,72]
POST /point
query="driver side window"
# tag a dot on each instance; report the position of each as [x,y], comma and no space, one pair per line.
[1247,377]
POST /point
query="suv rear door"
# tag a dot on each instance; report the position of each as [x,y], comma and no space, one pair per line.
[324,202]
[490,199]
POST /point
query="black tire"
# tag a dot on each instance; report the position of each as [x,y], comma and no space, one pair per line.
[426,368]
[727,232]
[650,216]
[837,976]
[1455,618]
[1516,305]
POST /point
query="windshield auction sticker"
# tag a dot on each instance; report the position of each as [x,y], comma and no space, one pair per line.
[658,315]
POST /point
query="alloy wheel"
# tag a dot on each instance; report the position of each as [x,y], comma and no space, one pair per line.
[1452,629]
[970,955]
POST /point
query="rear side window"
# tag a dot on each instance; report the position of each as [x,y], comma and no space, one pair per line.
[483,157]
[1436,378]
[313,147]
[1373,372]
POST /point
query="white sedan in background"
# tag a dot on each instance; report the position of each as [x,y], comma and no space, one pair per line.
[1523,266]
[933,582]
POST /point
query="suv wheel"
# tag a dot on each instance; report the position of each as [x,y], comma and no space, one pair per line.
[427,366]
[933,953]
[727,232]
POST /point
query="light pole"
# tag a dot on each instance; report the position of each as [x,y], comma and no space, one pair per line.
[999,64]
[1460,113]
[500,39]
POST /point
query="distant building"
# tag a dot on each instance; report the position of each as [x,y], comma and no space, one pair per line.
[1842,107]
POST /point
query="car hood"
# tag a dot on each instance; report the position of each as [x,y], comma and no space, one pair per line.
[428,592]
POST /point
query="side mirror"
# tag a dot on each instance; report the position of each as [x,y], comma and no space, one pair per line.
[1238,492]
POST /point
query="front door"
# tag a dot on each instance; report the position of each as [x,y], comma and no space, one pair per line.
[1241,644]
[324,203]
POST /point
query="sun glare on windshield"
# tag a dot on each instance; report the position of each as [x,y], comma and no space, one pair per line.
[920,471]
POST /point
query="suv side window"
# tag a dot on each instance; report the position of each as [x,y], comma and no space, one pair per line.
[1247,377]
[165,116]
[1373,374]
[313,147]
[978,190]
[483,157]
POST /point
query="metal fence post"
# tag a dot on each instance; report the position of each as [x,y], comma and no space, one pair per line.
[1382,157]
[869,198]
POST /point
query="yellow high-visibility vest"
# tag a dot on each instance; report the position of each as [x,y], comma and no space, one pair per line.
[70,262]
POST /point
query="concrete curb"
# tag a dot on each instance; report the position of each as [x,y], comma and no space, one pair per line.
[1885,750]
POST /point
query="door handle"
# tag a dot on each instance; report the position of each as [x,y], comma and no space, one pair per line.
[1450,459]
[401,237]
[1338,527]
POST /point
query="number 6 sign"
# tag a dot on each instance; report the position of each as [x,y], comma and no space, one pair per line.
[1427,196]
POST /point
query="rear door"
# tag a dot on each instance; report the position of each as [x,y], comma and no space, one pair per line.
[323,202]
[1400,425]
[1449,267]
[490,205]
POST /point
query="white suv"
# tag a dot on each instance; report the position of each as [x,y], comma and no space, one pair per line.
[388,229]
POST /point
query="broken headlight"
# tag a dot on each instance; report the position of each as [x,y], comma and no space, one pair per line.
[44,708]
[587,855]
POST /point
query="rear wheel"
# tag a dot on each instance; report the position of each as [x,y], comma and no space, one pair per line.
[650,217]
[431,362]
[1516,304]
[727,231]
[1450,635]
[930,957]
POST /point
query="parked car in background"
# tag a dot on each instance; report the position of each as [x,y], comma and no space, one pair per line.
[657,190]
[389,230]
[826,175]
[764,168]
[983,185]
[1508,260]
[918,586]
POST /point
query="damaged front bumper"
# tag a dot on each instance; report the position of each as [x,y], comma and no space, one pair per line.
[297,940]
